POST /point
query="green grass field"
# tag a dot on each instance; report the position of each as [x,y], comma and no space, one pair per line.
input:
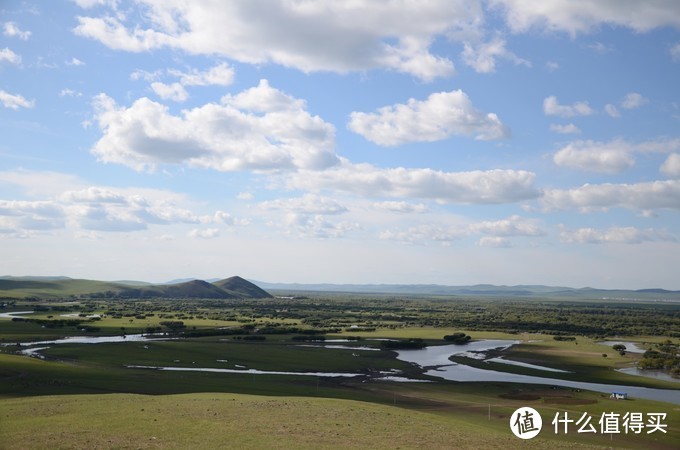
[84,396]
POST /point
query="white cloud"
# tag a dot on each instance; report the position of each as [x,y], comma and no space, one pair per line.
[551,107]
[424,233]
[207,233]
[66,92]
[671,167]
[401,207]
[19,218]
[612,110]
[552,66]
[307,204]
[7,55]
[174,91]
[474,187]
[315,226]
[569,128]
[75,62]
[494,241]
[675,52]
[220,75]
[512,226]
[633,100]
[482,57]
[310,36]
[222,136]
[442,115]
[645,196]
[610,157]
[599,47]
[15,101]
[494,233]
[614,235]
[584,16]
[11,29]
[102,209]
[264,99]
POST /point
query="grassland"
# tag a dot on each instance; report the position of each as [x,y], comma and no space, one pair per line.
[84,396]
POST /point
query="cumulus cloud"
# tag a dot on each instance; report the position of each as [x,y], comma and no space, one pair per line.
[15,101]
[307,204]
[512,226]
[610,157]
[424,233]
[633,100]
[576,17]
[551,107]
[675,52]
[66,92]
[645,196]
[401,207]
[482,57]
[11,29]
[671,167]
[442,115]
[7,55]
[494,233]
[494,241]
[314,226]
[309,36]
[104,209]
[569,128]
[612,110]
[174,91]
[220,75]
[486,187]
[275,134]
[614,235]
[207,233]
[75,62]
[18,216]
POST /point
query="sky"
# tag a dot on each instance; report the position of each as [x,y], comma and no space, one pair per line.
[433,142]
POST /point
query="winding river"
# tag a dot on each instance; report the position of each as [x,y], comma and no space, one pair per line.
[436,360]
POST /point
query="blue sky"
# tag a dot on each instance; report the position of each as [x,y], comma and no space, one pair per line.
[449,142]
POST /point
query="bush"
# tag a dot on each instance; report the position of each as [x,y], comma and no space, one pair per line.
[458,338]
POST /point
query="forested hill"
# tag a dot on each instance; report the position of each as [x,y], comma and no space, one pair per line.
[63,287]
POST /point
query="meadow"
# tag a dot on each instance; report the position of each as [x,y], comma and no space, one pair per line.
[75,395]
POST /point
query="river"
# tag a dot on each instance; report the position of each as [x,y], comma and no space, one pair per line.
[435,359]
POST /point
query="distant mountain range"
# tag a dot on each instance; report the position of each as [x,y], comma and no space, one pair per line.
[51,287]
[479,290]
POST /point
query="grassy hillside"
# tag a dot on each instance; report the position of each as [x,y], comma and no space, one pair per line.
[60,287]
[236,421]
[240,288]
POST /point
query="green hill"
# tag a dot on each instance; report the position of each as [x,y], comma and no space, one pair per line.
[61,287]
[240,288]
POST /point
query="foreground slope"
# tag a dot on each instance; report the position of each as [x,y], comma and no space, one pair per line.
[212,420]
